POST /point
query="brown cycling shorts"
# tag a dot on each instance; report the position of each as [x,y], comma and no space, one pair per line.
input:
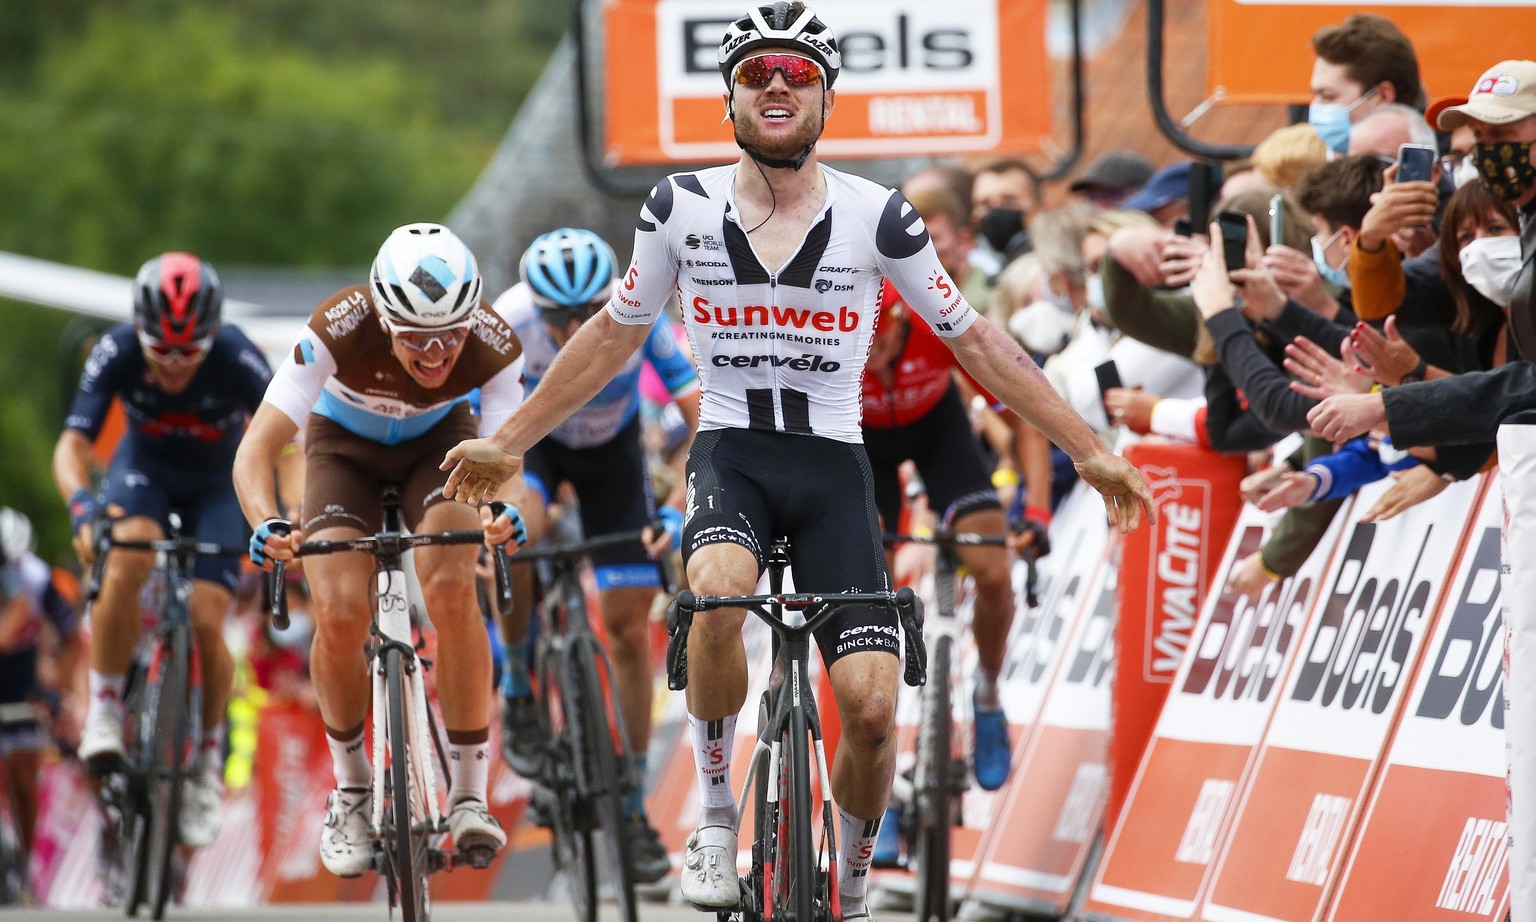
[343,472]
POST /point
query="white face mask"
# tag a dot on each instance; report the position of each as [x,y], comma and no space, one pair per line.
[1465,172]
[1095,286]
[1491,264]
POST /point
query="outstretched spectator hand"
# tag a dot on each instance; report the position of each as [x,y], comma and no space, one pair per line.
[1397,208]
[1249,576]
[1140,251]
[1298,277]
[1344,416]
[1412,486]
[1131,407]
[1293,489]
[1181,259]
[1319,374]
[1253,487]
[1386,357]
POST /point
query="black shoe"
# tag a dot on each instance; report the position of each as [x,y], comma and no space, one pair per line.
[523,735]
[648,858]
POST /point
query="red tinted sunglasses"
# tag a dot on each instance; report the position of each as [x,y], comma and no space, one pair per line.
[757,72]
[163,354]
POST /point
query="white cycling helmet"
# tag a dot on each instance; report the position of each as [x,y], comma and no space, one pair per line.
[781,25]
[15,535]
[424,277]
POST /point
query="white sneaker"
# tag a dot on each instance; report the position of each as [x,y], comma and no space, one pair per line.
[472,827]
[202,811]
[101,741]
[346,848]
[709,878]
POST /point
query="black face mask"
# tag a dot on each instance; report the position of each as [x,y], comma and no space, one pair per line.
[999,226]
[1505,168]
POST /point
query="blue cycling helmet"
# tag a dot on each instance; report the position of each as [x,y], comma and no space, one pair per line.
[568,268]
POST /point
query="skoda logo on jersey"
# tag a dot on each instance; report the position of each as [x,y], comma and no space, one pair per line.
[433,277]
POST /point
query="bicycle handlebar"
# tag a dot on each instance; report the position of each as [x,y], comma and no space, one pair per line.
[104,541]
[381,544]
[947,539]
[909,613]
[578,549]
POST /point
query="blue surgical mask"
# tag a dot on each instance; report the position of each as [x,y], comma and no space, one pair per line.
[1331,121]
[1338,277]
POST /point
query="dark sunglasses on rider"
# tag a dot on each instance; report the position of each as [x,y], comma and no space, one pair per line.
[757,72]
[162,354]
[560,316]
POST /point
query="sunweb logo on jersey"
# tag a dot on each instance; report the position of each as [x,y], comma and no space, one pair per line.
[762,315]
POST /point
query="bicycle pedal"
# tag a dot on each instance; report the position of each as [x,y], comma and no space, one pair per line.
[105,765]
[478,857]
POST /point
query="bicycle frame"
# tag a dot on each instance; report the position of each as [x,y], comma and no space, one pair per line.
[789,712]
[167,727]
[407,844]
[587,767]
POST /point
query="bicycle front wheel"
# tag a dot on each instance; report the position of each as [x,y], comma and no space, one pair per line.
[166,764]
[405,845]
[790,881]
[933,795]
[604,774]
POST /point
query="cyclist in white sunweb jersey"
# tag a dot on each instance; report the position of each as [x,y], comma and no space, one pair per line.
[777,261]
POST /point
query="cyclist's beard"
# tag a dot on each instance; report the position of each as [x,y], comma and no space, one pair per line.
[785,147]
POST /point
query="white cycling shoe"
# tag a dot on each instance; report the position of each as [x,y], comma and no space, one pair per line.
[346,848]
[475,830]
[101,741]
[202,813]
[709,878]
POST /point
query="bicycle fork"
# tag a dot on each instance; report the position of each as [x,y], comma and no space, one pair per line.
[394,630]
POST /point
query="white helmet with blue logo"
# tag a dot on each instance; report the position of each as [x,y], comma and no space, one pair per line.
[424,277]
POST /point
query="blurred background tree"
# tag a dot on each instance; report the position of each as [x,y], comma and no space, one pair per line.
[252,132]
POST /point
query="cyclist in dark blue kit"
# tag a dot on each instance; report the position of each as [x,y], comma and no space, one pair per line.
[187,384]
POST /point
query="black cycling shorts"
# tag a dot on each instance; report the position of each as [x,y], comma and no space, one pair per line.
[746,487]
[615,492]
[210,510]
[948,459]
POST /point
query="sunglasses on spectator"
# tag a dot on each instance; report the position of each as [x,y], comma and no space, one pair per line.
[561,315]
[161,354]
[757,72]
[444,338]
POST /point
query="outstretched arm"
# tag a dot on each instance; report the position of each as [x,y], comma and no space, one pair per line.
[1002,367]
[479,467]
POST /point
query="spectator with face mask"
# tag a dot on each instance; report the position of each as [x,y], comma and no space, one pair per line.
[1362,63]
[1002,199]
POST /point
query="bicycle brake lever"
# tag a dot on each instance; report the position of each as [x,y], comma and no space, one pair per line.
[276,580]
[909,609]
[679,620]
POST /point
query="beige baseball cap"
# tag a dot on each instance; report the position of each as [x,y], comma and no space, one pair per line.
[1505,93]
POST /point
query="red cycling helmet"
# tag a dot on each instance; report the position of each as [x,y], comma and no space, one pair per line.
[177,300]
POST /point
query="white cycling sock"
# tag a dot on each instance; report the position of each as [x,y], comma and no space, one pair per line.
[349,761]
[986,696]
[213,750]
[106,692]
[856,838]
[712,742]
[469,765]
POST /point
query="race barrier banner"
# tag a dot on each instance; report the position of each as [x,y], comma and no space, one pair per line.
[1158,857]
[965,76]
[1260,51]
[1043,822]
[1165,571]
[1325,741]
[1441,793]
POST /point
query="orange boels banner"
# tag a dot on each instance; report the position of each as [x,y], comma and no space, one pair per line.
[1159,856]
[959,77]
[1165,573]
[1443,787]
[1298,814]
[1261,52]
